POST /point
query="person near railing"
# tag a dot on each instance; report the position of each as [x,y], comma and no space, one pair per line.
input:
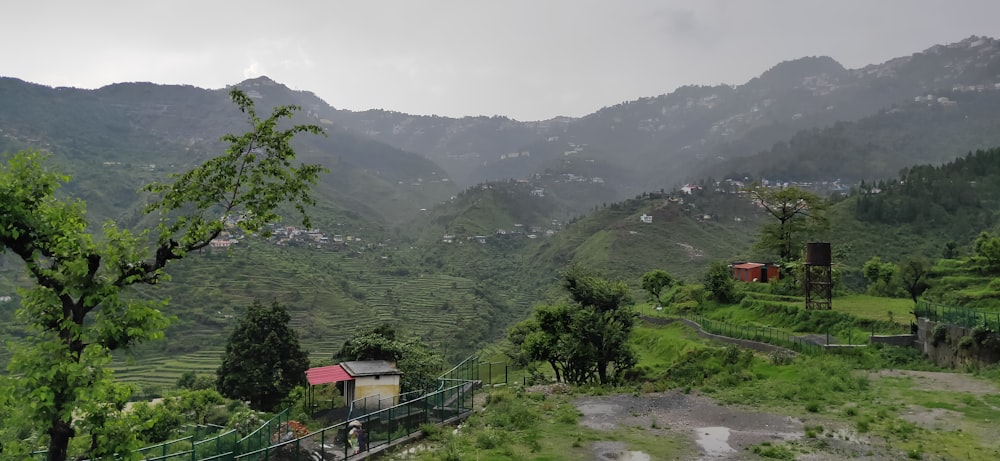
[362,439]
[354,437]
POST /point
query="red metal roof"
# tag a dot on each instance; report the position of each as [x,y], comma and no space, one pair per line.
[747,265]
[328,374]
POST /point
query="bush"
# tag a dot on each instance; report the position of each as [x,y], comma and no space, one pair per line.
[781,358]
[938,334]
[490,437]
[766,450]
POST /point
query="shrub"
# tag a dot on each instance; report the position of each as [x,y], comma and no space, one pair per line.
[433,432]
[766,450]
[981,333]
[490,438]
[939,333]
[781,358]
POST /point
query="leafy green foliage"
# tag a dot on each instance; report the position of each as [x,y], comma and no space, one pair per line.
[77,311]
[263,361]
[880,276]
[192,381]
[585,340]
[248,182]
[913,273]
[156,422]
[987,247]
[419,364]
[655,281]
[719,282]
[799,214]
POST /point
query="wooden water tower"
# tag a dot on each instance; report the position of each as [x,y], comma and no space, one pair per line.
[819,276]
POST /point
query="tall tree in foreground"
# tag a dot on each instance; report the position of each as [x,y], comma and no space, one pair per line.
[798,213]
[78,312]
[263,360]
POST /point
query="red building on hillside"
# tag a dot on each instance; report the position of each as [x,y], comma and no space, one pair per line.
[755,272]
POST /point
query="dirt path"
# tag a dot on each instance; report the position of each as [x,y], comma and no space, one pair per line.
[715,432]
[939,381]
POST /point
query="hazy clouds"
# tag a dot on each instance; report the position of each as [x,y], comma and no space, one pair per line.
[524,59]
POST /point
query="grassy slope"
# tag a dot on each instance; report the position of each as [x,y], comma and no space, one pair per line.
[832,394]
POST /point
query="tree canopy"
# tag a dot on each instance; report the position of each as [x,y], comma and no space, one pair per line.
[798,213]
[584,339]
[655,281]
[913,273]
[420,365]
[77,312]
[263,361]
[719,282]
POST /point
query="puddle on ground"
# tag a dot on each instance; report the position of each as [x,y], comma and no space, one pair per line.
[715,441]
[615,451]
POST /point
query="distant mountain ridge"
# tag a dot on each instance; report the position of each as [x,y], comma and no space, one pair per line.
[663,141]
[646,144]
[402,183]
[116,138]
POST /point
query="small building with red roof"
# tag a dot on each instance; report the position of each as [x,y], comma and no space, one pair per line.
[755,272]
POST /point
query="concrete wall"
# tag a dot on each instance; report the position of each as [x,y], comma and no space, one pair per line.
[957,347]
[895,340]
[384,386]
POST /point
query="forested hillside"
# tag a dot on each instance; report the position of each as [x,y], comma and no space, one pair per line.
[931,130]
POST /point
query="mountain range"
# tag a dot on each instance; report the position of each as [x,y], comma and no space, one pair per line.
[454,227]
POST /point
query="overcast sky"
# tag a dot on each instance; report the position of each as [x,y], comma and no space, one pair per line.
[526,59]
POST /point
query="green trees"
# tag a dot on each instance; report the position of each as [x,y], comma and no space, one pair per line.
[888,279]
[655,281]
[585,339]
[798,213]
[987,247]
[880,276]
[719,282]
[913,272]
[263,361]
[77,311]
[420,365]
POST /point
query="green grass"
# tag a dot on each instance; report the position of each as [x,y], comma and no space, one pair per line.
[515,425]
[898,310]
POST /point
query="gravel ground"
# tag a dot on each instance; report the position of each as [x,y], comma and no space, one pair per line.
[717,433]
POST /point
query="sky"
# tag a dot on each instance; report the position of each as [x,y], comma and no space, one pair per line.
[525,59]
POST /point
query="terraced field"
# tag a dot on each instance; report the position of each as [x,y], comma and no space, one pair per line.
[329,294]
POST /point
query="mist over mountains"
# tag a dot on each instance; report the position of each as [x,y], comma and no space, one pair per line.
[400,186]
[647,144]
